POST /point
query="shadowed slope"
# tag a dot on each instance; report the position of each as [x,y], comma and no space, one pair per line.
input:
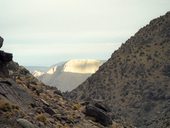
[135,81]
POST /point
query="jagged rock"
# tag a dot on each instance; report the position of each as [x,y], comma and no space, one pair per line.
[25,123]
[5,57]
[58,92]
[10,90]
[7,82]
[102,107]
[45,102]
[1,41]
[49,110]
[99,114]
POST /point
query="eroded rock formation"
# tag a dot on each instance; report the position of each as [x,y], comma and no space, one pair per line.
[4,57]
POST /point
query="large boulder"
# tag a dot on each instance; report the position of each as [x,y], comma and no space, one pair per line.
[25,123]
[5,57]
[49,110]
[100,113]
[1,41]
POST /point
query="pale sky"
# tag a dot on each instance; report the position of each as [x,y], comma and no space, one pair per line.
[44,32]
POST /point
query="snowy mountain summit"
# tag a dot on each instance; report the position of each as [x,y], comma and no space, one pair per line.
[82,66]
[68,75]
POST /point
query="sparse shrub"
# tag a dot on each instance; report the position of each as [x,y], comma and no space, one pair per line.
[134,62]
[123,100]
[76,106]
[161,43]
[5,106]
[8,115]
[15,107]
[128,59]
[33,88]
[141,54]
[156,54]
[42,118]
[148,45]
[134,56]
[148,107]
[149,57]
[59,126]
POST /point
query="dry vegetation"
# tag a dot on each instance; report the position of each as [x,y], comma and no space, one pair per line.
[135,81]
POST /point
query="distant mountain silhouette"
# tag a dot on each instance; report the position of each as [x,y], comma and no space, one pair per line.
[66,76]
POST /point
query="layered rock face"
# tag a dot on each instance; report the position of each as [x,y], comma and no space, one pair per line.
[135,81]
[4,57]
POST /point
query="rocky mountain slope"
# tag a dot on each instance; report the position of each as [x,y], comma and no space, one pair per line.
[68,75]
[135,81]
[25,102]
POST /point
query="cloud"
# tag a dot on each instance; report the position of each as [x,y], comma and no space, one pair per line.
[61,29]
[66,48]
[61,52]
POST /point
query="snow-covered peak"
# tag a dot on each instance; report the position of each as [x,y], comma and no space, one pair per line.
[82,66]
[37,73]
[52,70]
[67,75]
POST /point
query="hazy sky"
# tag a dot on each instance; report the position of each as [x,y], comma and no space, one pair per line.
[44,32]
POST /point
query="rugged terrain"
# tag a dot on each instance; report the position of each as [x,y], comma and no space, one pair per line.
[135,81]
[66,76]
[25,102]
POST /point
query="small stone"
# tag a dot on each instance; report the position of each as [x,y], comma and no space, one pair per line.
[99,114]
[25,123]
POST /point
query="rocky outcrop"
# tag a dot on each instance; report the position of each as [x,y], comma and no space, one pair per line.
[1,41]
[135,82]
[49,110]
[99,112]
[4,57]
[10,90]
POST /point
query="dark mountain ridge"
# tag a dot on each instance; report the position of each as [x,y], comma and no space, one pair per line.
[135,81]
